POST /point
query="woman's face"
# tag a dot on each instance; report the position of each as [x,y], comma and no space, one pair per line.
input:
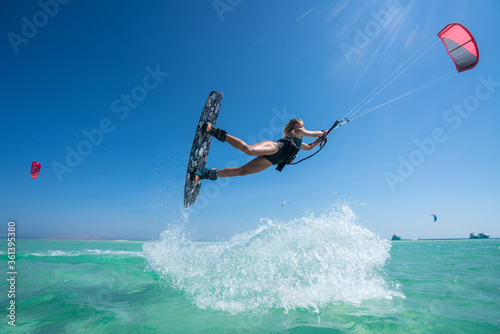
[299,125]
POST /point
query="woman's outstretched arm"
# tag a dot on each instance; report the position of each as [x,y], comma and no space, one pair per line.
[306,133]
[310,146]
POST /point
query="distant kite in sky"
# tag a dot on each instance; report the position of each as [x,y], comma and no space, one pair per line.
[283,203]
[35,169]
[435,217]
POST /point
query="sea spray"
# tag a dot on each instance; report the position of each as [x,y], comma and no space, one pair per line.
[304,263]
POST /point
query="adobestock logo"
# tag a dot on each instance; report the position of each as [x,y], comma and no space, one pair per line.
[30,27]
[275,128]
[427,147]
[222,6]
[95,137]
[364,36]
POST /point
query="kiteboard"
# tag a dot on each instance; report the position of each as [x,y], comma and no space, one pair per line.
[201,146]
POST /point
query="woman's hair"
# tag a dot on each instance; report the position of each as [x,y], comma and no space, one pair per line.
[289,126]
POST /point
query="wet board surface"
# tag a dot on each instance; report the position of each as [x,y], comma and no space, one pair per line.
[201,146]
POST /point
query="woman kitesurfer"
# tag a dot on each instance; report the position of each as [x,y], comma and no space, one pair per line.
[268,153]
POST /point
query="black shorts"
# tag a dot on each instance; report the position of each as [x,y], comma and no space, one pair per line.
[279,156]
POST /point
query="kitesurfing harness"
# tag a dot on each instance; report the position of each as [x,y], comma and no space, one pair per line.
[289,151]
[292,148]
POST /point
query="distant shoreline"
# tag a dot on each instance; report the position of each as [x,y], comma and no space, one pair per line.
[443,239]
[84,240]
[205,241]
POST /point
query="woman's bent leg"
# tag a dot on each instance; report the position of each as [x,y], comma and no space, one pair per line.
[263,148]
[256,165]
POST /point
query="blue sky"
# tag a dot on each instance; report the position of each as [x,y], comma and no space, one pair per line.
[124,82]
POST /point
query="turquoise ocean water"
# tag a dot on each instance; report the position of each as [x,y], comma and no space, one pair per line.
[318,274]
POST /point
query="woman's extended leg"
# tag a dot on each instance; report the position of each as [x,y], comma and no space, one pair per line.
[266,147]
[256,165]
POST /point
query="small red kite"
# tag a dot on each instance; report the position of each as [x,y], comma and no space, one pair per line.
[35,169]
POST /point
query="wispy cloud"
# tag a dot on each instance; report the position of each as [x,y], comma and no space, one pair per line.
[305,14]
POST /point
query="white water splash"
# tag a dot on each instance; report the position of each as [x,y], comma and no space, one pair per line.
[304,263]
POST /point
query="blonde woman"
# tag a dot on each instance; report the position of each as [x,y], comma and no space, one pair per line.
[268,153]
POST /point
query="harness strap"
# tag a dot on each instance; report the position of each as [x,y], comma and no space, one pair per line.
[323,143]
